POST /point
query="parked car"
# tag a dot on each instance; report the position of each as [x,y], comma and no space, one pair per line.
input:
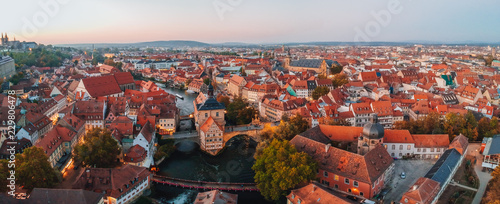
[403,175]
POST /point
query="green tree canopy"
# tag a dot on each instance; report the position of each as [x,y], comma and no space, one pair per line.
[4,174]
[165,150]
[320,91]
[33,170]
[280,167]
[287,130]
[239,112]
[224,99]
[339,80]
[99,150]
[206,81]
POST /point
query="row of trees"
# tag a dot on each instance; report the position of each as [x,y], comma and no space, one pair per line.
[278,166]
[453,124]
[40,57]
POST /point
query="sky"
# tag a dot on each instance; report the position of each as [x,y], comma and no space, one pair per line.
[250,21]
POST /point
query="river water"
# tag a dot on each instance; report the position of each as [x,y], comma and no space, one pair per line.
[234,164]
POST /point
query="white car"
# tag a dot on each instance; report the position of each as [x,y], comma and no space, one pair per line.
[403,175]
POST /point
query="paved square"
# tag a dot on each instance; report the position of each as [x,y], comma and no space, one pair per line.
[414,169]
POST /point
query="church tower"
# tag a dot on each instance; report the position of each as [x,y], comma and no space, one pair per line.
[372,135]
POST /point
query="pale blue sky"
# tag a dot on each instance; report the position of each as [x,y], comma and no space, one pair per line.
[251,21]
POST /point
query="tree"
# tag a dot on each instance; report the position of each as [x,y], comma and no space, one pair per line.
[469,128]
[336,69]
[432,124]
[281,167]
[4,174]
[453,124]
[206,81]
[224,99]
[165,150]
[243,73]
[239,112]
[99,150]
[33,170]
[483,128]
[339,80]
[285,131]
[320,91]
[300,124]
[493,193]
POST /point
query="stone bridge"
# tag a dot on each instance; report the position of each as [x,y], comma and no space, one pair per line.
[252,131]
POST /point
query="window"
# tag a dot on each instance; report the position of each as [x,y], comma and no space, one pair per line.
[325,174]
[346,181]
[336,177]
[217,114]
[361,194]
[385,146]
[424,150]
[349,190]
[356,184]
[418,150]
[400,147]
[432,149]
[392,154]
[336,186]
[400,154]
[438,149]
[206,115]
[393,147]
[409,147]
[299,201]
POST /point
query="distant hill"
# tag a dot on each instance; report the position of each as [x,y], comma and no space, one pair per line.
[170,43]
[187,43]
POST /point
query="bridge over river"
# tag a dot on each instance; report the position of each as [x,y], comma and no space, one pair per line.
[252,131]
[204,185]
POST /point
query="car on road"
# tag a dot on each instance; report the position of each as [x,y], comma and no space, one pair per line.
[403,175]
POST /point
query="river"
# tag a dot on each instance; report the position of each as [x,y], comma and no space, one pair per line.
[234,164]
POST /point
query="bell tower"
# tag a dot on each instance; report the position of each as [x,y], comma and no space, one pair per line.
[372,135]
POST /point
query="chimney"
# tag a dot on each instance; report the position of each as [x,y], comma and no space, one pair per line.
[314,188]
[327,147]
[415,187]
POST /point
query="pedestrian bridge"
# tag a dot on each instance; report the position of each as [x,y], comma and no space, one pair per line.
[204,185]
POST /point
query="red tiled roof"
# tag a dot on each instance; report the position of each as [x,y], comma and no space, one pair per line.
[124,78]
[425,141]
[113,182]
[397,136]
[422,192]
[367,168]
[313,193]
[101,86]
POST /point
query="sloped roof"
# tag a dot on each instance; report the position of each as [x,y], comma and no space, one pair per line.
[310,63]
[397,136]
[442,169]
[367,168]
[101,86]
[124,78]
[437,140]
[75,196]
[422,192]
[313,193]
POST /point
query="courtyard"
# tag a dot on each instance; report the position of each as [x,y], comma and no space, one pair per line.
[413,169]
